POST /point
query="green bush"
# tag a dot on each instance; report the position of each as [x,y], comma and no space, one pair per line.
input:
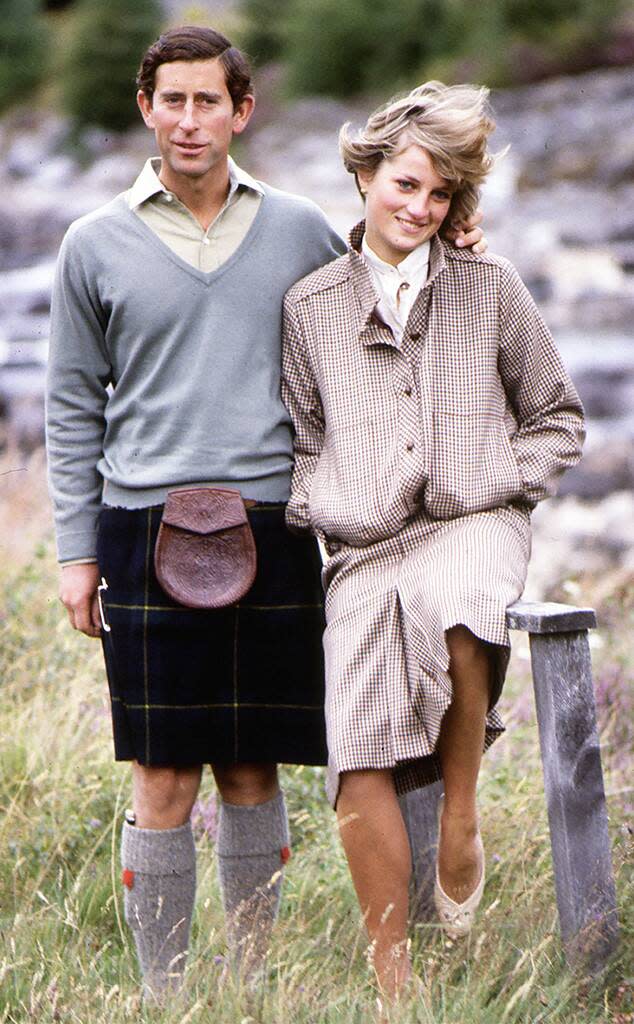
[344,47]
[347,47]
[536,18]
[108,40]
[328,45]
[264,35]
[23,51]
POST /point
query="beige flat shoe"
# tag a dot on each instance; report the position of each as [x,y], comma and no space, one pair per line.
[457,919]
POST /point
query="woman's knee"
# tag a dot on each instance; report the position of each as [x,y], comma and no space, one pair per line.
[464,646]
[365,784]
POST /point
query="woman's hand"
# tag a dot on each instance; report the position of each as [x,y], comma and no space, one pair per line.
[469,234]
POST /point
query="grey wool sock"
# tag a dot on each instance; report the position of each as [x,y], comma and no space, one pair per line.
[159,879]
[253,844]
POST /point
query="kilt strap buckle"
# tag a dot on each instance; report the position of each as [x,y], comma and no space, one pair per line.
[103,586]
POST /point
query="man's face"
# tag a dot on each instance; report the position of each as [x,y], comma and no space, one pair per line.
[193,119]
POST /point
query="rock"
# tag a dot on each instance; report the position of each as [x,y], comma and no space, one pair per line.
[570,126]
[55,173]
[32,224]
[623,254]
[30,149]
[22,398]
[27,290]
[580,272]
[110,174]
[617,164]
[624,230]
[25,352]
[602,471]
[97,142]
[592,313]
[558,205]
[572,537]
[26,326]
[25,422]
[606,392]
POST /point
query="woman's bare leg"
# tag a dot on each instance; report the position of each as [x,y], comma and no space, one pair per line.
[460,747]
[377,848]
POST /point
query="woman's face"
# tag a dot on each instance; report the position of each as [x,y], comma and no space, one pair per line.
[406,202]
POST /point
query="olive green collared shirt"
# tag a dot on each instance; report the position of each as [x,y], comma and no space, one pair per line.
[177,227]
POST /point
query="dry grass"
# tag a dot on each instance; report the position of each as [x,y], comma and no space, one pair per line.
[66,956]
[25,515]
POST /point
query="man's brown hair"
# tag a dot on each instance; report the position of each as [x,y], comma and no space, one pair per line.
[193,42]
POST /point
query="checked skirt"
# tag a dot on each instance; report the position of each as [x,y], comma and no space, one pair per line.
[388,607]
[236,684]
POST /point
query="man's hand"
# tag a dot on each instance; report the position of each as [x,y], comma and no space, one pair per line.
[469,235]
[78,594]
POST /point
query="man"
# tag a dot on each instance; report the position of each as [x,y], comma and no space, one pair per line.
[163,374]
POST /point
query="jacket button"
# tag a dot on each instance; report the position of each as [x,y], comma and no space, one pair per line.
[415,335]
[410,446]
[408,392]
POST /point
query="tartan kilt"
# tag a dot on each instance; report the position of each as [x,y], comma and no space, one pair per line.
[229,685]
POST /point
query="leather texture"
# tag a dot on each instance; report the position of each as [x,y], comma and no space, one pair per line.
[205,553]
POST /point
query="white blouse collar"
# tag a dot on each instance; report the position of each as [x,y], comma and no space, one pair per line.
[412,269]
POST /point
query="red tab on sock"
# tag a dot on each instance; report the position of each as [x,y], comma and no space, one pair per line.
[285,854]
[127,877]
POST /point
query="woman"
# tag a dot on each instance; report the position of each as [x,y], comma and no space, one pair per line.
[431,412]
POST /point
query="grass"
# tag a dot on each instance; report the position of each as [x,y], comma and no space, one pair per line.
[66,955]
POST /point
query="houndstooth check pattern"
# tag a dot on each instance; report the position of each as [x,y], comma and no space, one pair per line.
[418,464]
[473,411]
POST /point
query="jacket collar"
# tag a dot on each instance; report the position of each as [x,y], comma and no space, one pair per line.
[367,321]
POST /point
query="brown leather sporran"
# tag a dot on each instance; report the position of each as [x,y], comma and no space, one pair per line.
[205,554]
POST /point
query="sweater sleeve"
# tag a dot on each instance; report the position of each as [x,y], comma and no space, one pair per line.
[300,394]
[549,414]
[78,374]
[319,238]
[334,245]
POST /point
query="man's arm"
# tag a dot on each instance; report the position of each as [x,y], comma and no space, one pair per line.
[469,234]
[78,374]
[78,593]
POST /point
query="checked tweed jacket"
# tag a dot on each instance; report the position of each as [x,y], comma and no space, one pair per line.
[418,465]
[473,411]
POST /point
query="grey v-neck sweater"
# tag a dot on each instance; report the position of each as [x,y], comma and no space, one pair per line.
[161,375]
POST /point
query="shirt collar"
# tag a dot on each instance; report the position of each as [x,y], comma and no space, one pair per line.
[412,269]
[237,177]
[362,279]
[148,183]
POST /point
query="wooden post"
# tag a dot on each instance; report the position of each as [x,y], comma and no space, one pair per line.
[420,812]
[573,781]
[573,778]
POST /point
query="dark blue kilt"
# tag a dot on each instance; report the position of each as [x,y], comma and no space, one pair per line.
[236,684]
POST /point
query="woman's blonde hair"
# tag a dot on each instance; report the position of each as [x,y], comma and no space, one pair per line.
[451,122]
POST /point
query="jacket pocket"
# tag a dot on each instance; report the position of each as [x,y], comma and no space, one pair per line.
[471,464]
